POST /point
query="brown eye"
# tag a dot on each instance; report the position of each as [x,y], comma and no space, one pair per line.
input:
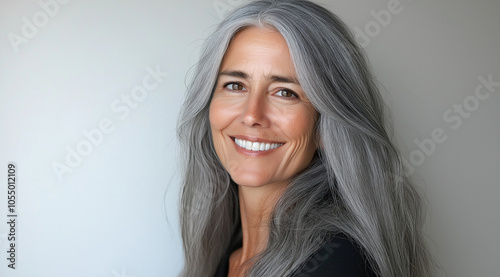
[286,93]
[234,86]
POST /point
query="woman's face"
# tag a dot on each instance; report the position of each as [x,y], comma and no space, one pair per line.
[262,122]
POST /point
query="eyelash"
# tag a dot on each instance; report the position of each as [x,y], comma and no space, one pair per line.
[294,95]
[290,91]
[233,83]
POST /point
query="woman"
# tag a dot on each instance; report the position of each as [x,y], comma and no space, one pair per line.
[288,167]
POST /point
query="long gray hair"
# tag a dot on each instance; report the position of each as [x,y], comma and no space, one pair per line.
[355,185]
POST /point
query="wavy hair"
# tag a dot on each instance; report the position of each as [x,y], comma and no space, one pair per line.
[356,183]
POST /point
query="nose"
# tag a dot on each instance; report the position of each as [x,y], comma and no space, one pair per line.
[256,111]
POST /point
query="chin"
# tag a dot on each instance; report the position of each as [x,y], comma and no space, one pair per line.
[249,181]
[253,182]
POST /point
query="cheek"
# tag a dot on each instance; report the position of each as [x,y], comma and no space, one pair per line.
[300,130]
[216,117]
[299,126]
[216,123]
[220,119]
[220,114]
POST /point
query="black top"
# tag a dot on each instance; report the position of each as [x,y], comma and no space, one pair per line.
[339,257]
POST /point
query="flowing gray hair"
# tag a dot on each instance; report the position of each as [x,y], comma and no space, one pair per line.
[356,183]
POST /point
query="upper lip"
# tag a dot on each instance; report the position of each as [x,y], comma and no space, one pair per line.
[255,139]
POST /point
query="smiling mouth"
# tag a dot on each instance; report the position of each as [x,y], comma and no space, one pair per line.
[256,146]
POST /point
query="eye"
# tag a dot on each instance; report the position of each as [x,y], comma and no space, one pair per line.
[234,86]
[286,93]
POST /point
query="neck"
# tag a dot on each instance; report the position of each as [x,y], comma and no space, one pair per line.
[256,206]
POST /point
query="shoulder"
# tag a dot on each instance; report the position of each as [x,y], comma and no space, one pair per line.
[339,256]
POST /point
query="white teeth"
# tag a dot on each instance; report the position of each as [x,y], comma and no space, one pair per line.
[256,146]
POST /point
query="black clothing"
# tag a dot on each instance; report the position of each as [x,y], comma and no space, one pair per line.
[339,257]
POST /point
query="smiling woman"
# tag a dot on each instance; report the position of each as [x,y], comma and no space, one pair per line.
[288,168]
[255,104]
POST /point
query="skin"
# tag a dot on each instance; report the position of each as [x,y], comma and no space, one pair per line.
[258,98]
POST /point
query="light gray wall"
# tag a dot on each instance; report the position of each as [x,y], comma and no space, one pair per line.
[76,76]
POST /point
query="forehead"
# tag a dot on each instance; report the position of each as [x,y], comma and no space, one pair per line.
[259,36]
[259,49]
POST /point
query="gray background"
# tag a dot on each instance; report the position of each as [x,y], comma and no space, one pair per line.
[107,215]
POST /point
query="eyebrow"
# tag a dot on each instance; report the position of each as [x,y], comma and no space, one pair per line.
[274,78]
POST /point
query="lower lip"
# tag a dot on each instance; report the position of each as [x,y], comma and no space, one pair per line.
[247,152]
